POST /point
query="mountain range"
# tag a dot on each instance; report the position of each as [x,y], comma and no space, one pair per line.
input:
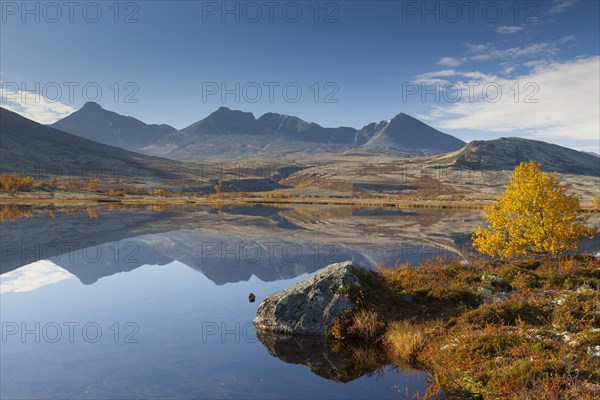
[237,133]
[230,133]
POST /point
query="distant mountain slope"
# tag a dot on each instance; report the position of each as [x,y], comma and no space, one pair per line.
[231,132]
[406,133]
[103,126]
[293,128]
[39,148]
[506,153]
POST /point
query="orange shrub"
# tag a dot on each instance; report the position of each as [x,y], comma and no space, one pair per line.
[161,192]
[92,185]
[16,183]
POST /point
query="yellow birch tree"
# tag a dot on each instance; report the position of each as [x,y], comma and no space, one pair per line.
[533,217]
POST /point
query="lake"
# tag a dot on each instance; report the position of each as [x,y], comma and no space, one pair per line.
[152,301]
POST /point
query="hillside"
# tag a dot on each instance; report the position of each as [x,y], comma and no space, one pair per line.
[37,149]
[506,153]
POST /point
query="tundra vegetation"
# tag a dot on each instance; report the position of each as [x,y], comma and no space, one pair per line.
[430,188]
[521,321]
[17,183]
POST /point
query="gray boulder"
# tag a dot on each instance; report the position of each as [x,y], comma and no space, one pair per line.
[310,306]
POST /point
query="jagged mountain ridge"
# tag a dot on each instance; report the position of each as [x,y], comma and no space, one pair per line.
[283,133]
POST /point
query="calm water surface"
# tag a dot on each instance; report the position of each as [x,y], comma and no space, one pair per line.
[140,303]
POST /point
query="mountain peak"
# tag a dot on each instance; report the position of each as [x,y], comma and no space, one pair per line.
[91,106]
[405,118]
[407,133]
[224,121]
[95,123]
[228,113]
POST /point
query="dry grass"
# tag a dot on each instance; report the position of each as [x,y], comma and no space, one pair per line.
[405,340]
[367,325]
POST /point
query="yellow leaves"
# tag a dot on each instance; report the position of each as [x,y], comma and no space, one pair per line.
[16,183]
[533,216]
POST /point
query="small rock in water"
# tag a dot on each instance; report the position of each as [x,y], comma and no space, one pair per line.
[251,297]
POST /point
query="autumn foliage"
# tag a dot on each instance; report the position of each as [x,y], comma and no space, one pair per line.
[16,183]
[92,185]
[533,217]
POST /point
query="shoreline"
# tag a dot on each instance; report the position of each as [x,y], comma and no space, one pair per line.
[149,200]
[134,200]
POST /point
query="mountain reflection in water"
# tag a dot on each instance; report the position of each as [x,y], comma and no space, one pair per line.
[232,243]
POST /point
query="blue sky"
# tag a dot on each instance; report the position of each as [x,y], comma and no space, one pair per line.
[355,62]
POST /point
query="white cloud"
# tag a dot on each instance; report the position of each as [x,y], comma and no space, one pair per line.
[508,29]
[450,61]
[508,69]
[33,276]
[487,52]
[561,6]
[33,105]
[477,48]
[447,73]
[529,50]
[568,102]
[479,76]
[431,78]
